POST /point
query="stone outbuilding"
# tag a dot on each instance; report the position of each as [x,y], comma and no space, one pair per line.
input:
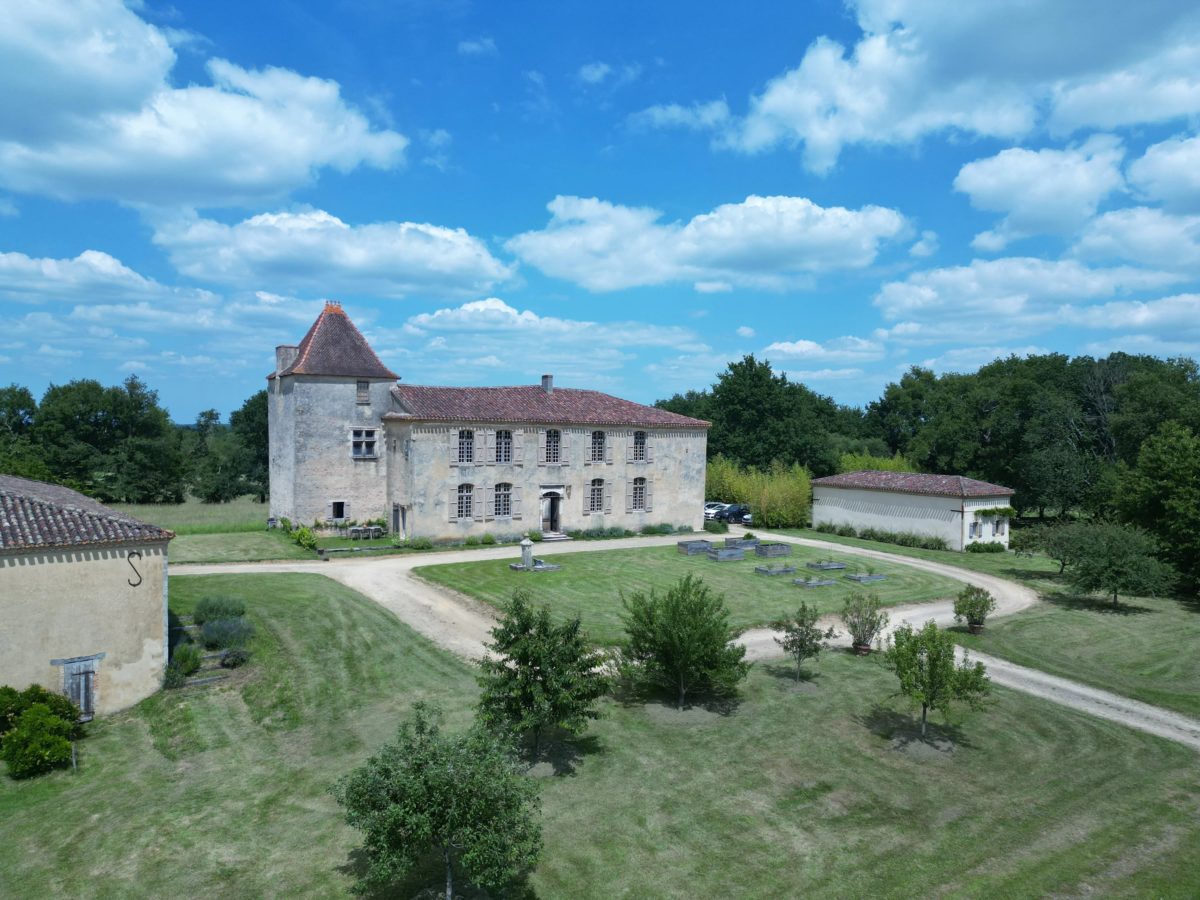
[349,443]
[957,509]
[83,597]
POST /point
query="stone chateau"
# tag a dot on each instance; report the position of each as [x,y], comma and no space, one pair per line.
[350,443]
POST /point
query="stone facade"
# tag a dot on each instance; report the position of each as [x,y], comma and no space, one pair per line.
[449,463]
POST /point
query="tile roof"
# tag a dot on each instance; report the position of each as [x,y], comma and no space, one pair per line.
[529,404]
[913,483]
[34,515]
[333,346]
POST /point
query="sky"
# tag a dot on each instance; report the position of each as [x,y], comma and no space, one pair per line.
[628,195]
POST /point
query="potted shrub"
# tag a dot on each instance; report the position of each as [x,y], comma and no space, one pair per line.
[972,605]
[864,620]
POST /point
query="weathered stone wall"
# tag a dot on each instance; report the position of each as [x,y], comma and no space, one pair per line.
[281,433]
[946,517]
[72,603]
[424,476]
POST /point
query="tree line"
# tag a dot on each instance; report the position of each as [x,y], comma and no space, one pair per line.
[119,445]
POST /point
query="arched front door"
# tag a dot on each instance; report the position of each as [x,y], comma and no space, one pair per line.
[551,508]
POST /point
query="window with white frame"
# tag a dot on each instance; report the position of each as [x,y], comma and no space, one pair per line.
[504,446]
[363,392]
[362,443]
[466,446]
[553,446]
[639,493]
[973,530]
[639,446]
[503,500]
[597,446]
[466,501]
[596,496]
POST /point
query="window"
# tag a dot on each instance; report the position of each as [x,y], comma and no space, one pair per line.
[79,682]
[503,500]
[338,509]
[597,446]
[466,446]
[504,446]
[363,394]
[362,443]
[639,446]
[973,530]
[553,446]
[466,504]
[596,496]
[639,493]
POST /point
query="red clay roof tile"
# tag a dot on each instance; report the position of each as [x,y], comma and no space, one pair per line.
[914,483]
[334,346]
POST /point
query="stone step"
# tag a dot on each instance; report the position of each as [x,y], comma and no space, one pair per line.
[550,537]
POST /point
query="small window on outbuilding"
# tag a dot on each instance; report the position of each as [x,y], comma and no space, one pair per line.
[337,509]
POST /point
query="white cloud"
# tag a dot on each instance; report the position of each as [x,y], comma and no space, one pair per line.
[762,242]
[480,46]
[104,121]
[745,331]
[90,277]
[969,359]
[133,365]
[926,246]
[312,251]
[823,374]
[697,117]
[1042,191]
[594,72]
[1142,235]
[712,287]
[843,349]
[1169,172]
[1175,315]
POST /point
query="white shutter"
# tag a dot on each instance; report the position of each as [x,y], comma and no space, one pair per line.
[329,511]
[608,496]
[453,442]
[516,501]
[587,498]
[452,506]
[629,448]
[608,449]
[564,445]
[518,447]
[477,504]
[490,509]
[649,448]
[628,495]
[649,494]
[346,510]
[541,460]
[489,446]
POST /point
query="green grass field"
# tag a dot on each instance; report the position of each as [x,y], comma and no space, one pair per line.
[812,791]
[194,517]
[238,546]
[589,584]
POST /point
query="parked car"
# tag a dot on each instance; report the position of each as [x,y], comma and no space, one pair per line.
[734,513]
[712,507]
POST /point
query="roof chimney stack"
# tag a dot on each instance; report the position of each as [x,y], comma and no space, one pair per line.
[285,355]
[548,384]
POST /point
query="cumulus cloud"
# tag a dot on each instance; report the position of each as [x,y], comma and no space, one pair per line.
[311,251]
[762,242]
[843,349]
[927,245]
[480,46]
[104,120]
[90,277]
[969,359]
[594,72]
[1169,172]
[1041,191]
[697,117]
[745,331]
[1146,236]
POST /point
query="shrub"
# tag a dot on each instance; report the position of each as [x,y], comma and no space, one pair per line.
[235,657]
[210,608]
[305,538]
[827,528]
[39,741]
[10,708]
[845,531]
[714,527]
[471,541]
[684,529]
[658,529]
[187,659]
[419,543]
[13,703]
[863,618]
[173,677]
[488,539]
[986,547]
[899,538]
[221,634]
[535,536]
[973,605]
[286,525]
[781,495]
[749,536]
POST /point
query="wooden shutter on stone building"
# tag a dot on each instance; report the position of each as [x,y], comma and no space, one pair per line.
[477,503]
[490,509]
[518,446]
[541,460]
[564,445]
[453,504]
[608,449]
[608,496]
[516,501]
[489,446]
[649,493]
[629,446]
[629,495]
[649,448]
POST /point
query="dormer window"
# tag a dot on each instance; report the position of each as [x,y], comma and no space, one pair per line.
[363,393]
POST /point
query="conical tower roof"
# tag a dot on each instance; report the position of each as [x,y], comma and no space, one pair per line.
[333,346]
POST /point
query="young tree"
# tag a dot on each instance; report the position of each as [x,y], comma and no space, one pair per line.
[924,662]
[1062,542]
[973,604]
[682,640]
[802,638]
[1118,559]
[461,797]
[540,675]
[863,618]
[249,423]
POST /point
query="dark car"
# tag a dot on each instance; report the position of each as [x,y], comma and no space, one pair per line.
[734,513]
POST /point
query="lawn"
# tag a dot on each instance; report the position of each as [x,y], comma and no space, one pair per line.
[1142,649]
[193,517]
[812,791]
[238,546]
[586,586]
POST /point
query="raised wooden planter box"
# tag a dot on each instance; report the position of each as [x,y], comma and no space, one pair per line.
[693,548]
[865,579]
[823,566]
[772,550]
[742,543]
[726,554]
[814,582]
[775,570]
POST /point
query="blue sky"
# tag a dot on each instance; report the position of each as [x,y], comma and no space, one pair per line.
[628,195]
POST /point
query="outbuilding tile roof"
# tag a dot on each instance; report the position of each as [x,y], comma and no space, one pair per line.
[34,515]
[914,483]
[529,404]
[334,346]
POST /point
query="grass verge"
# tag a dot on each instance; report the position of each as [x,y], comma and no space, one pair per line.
[236,547]
[193,517]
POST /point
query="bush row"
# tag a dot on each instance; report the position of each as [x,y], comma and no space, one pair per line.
[36,730]
[779,497]
[986,547]
[900,538]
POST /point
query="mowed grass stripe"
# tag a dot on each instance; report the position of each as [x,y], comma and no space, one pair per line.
[590,583]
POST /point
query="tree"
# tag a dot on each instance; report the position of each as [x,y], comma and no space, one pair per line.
[802,638]
[539,675]
[249,423]
[1162,495]
[924,662]
[972,605]
[1062,542]
[682,641]
[1117,559]
[462,797]
[863,618]
[18,453]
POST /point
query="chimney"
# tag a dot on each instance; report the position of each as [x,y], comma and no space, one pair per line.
[285,355]
[548,384]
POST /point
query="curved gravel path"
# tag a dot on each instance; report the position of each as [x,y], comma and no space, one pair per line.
[462,625]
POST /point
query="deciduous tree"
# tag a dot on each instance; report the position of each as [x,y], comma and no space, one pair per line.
[801,638]
[929,676]
[1117,559]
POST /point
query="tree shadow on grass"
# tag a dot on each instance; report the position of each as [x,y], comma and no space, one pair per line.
[426,881]
[633,693]
[904,730]
[1095,604]
[1016,573]
[562,754]
[787,673]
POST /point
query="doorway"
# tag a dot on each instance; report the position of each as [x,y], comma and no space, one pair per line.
[551,508]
